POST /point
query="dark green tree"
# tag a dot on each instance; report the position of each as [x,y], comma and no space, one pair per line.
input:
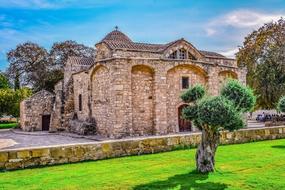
[4,82]
[263,55]
[28,63]
[270,77]
[213,114]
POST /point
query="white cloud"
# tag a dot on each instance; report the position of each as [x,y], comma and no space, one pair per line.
[230,53]
[241,19]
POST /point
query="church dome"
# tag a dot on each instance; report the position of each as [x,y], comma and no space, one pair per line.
[117,35]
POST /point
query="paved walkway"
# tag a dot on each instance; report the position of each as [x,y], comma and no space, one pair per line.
[20,139]
[11,140]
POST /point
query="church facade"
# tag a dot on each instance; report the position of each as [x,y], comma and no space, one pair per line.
[132,89]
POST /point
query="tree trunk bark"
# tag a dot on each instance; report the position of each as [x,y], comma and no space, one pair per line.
[205,155]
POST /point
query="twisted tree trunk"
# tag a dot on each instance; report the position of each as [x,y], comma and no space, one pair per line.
[205,155]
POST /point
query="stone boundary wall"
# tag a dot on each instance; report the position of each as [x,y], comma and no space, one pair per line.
[51,155]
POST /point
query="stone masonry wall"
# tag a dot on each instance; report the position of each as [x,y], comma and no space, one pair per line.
[141,96]
[142,100]
[174,90]
[80,82]
[100,99]
[31,157]
[33,108]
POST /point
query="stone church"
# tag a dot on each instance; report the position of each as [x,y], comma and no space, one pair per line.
[129,89]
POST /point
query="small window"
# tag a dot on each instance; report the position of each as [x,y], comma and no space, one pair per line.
[80,102]
[182,54]
[173,55]
[185,82]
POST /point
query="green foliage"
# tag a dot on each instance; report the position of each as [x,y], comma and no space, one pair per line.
[190,112]
[263,55]
[4,82]
[10,100]
[241,96]
[270,77]
[281,104]
[193,94]
[218,112]
[8,125]
[49,80]
[250,166]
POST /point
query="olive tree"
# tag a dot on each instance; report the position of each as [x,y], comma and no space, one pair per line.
[211,114]
[281,104]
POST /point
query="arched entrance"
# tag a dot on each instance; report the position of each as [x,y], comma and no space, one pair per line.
[184,125]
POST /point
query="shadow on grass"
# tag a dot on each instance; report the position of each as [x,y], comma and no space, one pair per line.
[278,146]
[192,180]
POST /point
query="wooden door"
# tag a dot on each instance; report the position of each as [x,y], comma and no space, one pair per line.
[45,122]
[184,125]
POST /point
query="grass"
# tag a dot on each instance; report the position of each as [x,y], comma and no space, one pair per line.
[252,166]
[8,125]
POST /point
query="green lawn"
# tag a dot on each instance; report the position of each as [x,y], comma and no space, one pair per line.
[255,166]
[8,125]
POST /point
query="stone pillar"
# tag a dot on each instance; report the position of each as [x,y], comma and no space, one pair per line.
[56,116]
[160,99]
[120,98]
[213,80]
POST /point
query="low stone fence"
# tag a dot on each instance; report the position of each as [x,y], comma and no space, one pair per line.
[51,155]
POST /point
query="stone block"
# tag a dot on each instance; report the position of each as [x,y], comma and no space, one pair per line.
[40,152]
[106,148]
[23,154]
[4,156]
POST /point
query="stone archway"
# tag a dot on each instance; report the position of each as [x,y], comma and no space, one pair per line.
[100,98]
[224,75]
[175,78]
[142,85]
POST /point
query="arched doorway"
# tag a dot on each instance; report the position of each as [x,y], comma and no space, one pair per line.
[184,125]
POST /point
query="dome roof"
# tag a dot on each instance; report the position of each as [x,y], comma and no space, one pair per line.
[117,35]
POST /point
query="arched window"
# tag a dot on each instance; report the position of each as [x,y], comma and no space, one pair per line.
[181,54]
[80,102]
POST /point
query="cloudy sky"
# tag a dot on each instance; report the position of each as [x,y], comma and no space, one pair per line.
[215,25]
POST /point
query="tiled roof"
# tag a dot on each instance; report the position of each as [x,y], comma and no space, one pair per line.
[211,54]
[80,60]
[118,40]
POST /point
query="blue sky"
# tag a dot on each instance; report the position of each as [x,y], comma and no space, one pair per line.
[215,25]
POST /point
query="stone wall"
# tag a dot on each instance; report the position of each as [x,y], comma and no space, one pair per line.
[80,82]
[142,100]
[174,90]
[31,157]
[34,108]
[100,99]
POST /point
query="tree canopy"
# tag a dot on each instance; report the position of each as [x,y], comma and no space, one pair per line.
[263,55]
[60,51]
[32,65]
[214,113]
